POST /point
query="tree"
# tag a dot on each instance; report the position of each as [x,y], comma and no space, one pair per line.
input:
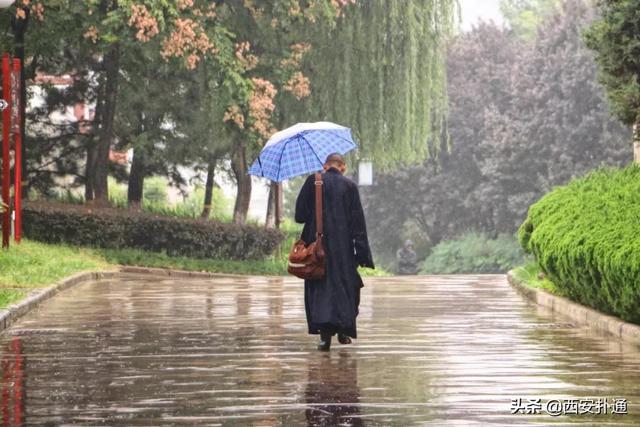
[524,117]
[443,199]
[100,32]
[381,72]
[173,116]
[200,119]
[272,38]
[147,100]
[241,46]
[561,127]
[615,38]
[246,67]
[185,37]
[525,16]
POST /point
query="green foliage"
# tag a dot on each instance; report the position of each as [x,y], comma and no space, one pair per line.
[292,231]
[32,264]
[391,55]
[291,190]
[155,200]
[155,189]
[62,196]
[532,275]
[585,238]
[117,194]
[193,205]
[9,296]
[271,266]
[107,52]
[524,117]
[115,228]
[525,16]
[381,72]
[615,38]
[155,192]
[474,253]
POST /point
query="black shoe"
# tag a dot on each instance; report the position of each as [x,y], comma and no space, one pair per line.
[343,339]
[325,342]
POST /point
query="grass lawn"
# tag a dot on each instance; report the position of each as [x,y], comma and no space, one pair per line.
[9,296]
[31,265]
[269,267]
[530,275]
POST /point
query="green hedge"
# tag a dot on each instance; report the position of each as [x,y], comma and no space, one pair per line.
[586,238]
[117,229]
[474,253]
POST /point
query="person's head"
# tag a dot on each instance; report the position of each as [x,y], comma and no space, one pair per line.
[336,161]
[408,245]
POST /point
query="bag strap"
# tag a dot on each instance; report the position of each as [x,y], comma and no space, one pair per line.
[319,229]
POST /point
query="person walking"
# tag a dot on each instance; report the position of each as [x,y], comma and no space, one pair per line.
[331,303]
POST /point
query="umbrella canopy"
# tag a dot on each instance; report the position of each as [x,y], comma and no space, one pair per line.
[301,149]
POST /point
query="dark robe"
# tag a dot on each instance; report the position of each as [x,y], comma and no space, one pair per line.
[332,303]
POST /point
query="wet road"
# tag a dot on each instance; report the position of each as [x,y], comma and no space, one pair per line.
[233,351]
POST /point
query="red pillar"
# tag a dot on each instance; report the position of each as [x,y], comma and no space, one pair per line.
[5,403]
[6,136]
[17,162]
[12,396]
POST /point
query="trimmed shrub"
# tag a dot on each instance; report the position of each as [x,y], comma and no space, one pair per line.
[586,238]
[117,229]
[474,253]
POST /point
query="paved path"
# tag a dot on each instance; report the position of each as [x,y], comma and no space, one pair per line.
[230,351]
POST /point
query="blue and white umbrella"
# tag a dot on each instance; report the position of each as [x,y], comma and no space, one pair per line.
[301,149]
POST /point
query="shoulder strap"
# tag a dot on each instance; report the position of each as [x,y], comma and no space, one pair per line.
[319,230]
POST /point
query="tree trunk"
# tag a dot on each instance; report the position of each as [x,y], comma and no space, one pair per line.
[208,188]
[89,172]
[270,221]
[106,131]
[240,170]
[135,189]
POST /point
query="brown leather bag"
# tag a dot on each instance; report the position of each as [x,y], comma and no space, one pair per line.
[308,261]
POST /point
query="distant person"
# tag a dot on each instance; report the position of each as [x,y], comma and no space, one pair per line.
[331,303]
[407,260]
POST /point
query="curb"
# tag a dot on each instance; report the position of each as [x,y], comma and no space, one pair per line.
[605,324]
[178,273]
[12,313]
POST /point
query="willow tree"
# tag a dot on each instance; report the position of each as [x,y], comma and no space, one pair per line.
[381,72]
